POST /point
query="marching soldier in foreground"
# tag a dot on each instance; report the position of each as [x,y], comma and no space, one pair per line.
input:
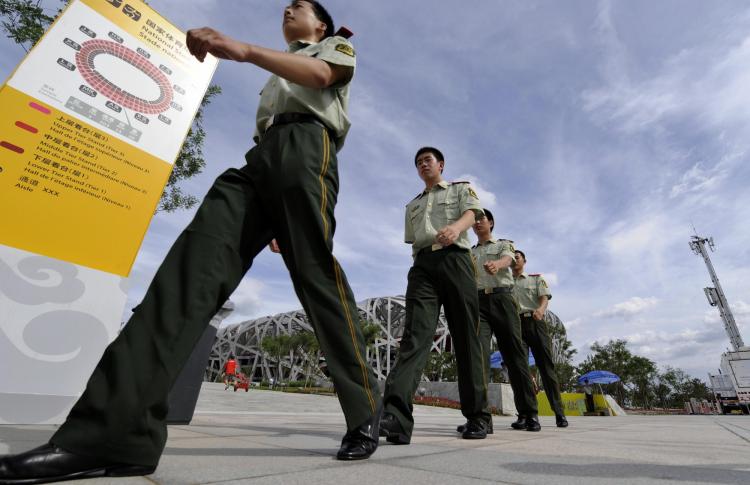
[498,312]
[443,274]
[287,190]
[533,295]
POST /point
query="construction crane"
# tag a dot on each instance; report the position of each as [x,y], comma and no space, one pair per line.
[715,295]
[731,386]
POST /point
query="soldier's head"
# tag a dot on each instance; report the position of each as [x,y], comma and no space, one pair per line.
[520,261]
[484,225]
[430,163]
[306,19]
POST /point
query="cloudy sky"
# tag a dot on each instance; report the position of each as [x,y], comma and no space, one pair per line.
[597,132]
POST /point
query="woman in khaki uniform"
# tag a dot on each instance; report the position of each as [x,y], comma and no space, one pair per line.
[287,190]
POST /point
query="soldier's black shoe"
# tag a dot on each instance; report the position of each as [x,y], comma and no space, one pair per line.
[362,441]
[475,430]
[532,424]
[561,420]
[392,430]
[519,423]
[49,463]
[462,427]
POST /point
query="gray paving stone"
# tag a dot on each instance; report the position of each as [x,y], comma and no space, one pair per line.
[271,437]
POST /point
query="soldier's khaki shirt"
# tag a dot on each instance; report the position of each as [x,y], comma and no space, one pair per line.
[528,289]
[492,250]
[432,210]
[328,104]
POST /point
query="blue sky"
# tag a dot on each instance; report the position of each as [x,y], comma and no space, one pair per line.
[597,132]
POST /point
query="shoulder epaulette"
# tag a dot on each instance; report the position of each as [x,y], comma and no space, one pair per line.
[535,274]
[501,239]
[344,32]
[460,182]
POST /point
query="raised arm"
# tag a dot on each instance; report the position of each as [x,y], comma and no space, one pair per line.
[302,70]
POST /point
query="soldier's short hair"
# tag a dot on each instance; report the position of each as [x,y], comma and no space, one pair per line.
[437,153]
[521,253]
[489,217]
[321,14]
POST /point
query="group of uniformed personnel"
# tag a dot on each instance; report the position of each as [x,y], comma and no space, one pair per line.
[483,291]
[284,196]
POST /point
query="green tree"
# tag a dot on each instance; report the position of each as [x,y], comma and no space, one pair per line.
[675,387]
[370,333]
[441,366]
[278,347]
[307,345]
[25,21]
[642,373]
[637,374]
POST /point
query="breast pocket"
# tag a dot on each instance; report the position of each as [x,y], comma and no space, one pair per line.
[493,254]
[529,292]
[416,214]
[450,209]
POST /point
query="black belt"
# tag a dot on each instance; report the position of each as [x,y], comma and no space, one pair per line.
[497,289]
[438,247]
[286,118]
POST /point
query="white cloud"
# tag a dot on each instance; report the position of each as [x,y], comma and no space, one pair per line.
[551,279]
[486,196]
[740,310]
[696,179]
[628,308]
[248,299]
[706,83]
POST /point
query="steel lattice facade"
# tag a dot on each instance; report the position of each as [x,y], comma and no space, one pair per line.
[243,340]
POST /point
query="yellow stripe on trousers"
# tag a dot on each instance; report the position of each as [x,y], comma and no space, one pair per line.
[342,295]
[337,268]
[323,189]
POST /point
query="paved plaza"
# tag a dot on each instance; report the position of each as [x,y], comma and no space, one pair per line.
[260,437]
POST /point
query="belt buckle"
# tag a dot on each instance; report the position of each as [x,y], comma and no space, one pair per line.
[488,291]
[436,247]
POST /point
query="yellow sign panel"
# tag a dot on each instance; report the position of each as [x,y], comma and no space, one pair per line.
[92,121]
[70,191]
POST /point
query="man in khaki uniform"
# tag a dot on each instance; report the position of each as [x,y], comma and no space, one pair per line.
[498,312]
[443,274]
[533,295]
[287,190]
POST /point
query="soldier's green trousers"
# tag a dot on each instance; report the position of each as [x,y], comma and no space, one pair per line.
[499,315]
[287,190]
[536,336]
[441,278]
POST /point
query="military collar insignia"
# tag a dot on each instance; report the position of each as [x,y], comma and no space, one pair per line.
[443,184]
[297,45]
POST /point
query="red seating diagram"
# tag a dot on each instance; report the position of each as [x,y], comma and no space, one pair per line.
[85,62]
